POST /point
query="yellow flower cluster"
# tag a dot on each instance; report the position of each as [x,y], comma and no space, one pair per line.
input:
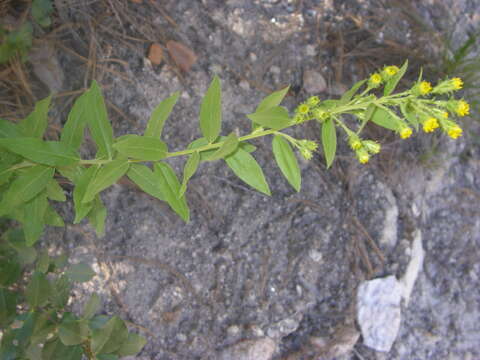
[430,124]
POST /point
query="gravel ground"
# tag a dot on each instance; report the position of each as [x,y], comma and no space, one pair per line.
[256,277]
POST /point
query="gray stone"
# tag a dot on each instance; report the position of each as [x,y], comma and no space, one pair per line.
[378,312]
[257,349]
[314,82]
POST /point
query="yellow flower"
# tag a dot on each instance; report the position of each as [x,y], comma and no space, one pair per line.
[307,154]
[303,109]
[354,142]
[313,100]
[362,155]
[375,80]
[425,87]
[372,146]
[445,114]
[463,108]
[405,132]
[391,70]
[457,83]
[430,124]
[455,131]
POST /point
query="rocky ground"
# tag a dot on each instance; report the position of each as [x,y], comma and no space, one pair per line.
[256,277]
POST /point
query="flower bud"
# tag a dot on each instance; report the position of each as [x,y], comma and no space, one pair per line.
[371,146]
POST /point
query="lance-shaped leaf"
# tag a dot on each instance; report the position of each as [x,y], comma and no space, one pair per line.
[142,148]
[52,153]
[211,111]
[74,128]
[160,115]
[272,100]
[35,218]
[132,345]
[393,82]
[55,191]
[36,122]
[287,162]
[384,119]
[81,187]
[38,290]
[8,303]
[274,118]
[110,337]
[97,216]
[9,129]
[190,167]
[247,169]
[350,93]
[52,218]
[329,141]
[105,177]
[230,144]
[26,187]
[410,115]
[170,188]
[97,118]
[146,180]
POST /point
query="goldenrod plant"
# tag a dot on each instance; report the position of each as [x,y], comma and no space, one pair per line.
[32,169]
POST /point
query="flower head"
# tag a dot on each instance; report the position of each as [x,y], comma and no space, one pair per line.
[371,146]
[362,155]
[463,108]
[457,83]
[320,114]
[303,109]
[375,80]
[425,87]
[390,71]
[448,85]
[308,144]
[455,131]
[354,142]
[313,100]
[405,132]
[307,154]
[430,124]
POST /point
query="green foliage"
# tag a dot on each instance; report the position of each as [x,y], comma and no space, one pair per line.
[34,319]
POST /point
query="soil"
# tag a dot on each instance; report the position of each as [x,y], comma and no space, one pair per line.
[286,267]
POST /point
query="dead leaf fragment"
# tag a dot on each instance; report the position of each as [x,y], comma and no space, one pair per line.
[155,54]
[183,56]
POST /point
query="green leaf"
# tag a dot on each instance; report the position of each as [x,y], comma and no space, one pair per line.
[98,322]
[272,100]
[190,168]
[16,239]
[73,332]
[74,128]
[81,187]
[247,147]
[53,153]
[38,290]
[25,332]
[105,177]
[384,119]
[91,307]
[145,180]
[55,191]
[160,115]
[52,218]
[393,82]
[61,292]
[55,350]
[211,111]
[329,141]
[10,271]
[142,148]
[97,216]
[44,326]
[201,142]
[97,119]
[41,10]
[230,144]
[247,169]
[35,218]
[28,185]
[170,188]
[80,272]
[36,123]
[132,346]
[43,262]
[9,129]
[274,118]
[8,304]
[287,162]
[110,337]
[409,115]
[346,97]
[107,357]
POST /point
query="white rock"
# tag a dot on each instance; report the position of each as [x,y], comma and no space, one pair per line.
[378,311]
[314,82]
[258,349]
[414,266]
